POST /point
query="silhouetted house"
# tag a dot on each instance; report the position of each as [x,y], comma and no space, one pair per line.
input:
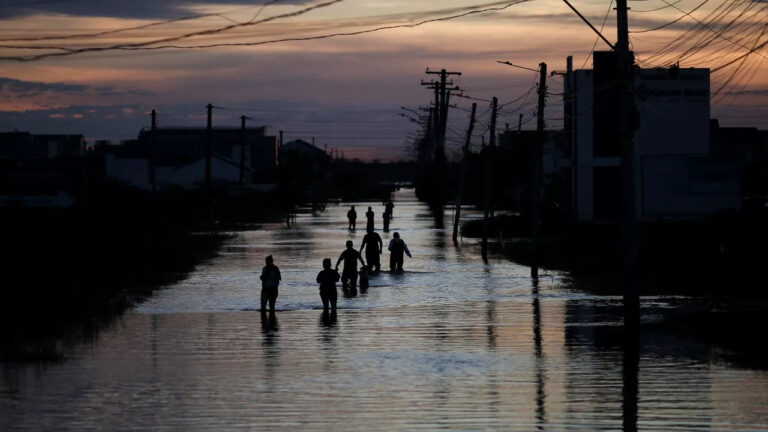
[748,147]
[176,151]
[300,150]
[23,145]
[192,175]
[179,146]
[676,175]
[746,144]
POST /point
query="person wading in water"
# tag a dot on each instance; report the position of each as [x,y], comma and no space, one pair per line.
[387,218]
[352,216]
[327,279]
[371,216]
[350,257]
[396,249]
[270,280]
[373,247]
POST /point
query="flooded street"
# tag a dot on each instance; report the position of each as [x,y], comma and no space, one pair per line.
[451,344]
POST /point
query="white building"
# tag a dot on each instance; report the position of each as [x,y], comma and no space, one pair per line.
[675,176]
[192,175]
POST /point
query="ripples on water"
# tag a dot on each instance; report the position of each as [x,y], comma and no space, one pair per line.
[451,344]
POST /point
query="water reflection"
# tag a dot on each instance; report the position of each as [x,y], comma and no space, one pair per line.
[328,320]
[630,371]
[539,355]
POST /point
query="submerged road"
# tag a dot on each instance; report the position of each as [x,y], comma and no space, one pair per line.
[451,344]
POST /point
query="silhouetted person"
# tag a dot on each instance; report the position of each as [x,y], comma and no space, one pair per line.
[352,216]
[270,280]
[389,207]
[327,279]
[396,249]
[370,215]
[363,278]
[373,247]
[387,218]
[350,257]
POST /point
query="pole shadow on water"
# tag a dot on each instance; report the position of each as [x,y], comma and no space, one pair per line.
[539,354]
[630,375]
[492,333]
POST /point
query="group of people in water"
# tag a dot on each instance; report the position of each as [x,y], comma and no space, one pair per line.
[371,216]
[372,246]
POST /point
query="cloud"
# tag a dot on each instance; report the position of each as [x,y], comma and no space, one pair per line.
[31,88]
[20,95]
[121,9]
[750,92]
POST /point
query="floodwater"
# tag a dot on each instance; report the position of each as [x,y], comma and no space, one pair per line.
[452,344]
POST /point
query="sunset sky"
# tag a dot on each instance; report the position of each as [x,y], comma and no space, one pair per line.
[346,91]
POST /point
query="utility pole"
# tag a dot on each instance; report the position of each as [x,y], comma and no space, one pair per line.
[626,135]
[209,147]
[440,119]
[536,183]
[629,226]
[152,150]
[280,144]
[457,216]
[520,123]
[242,149]
[488,162]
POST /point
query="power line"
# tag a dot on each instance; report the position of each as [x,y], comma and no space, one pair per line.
[209,32]
[597,38]
[152,45]
[138,27]
[326,36]
[685,14]
[656,9]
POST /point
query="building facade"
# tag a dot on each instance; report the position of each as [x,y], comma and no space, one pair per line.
[676,176]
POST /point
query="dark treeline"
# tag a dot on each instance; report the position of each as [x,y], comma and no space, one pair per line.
[66,270]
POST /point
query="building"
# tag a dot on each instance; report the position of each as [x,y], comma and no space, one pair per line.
[676,174]
[180,146]
[192,175]
[175,157]
[302,150]
[23,145]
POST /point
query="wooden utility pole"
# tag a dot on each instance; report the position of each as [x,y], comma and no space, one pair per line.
[488,168]
[154,120]
[626,135]
[440,119]
[536,183]
[463,174]
[209,147]
[242,148]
